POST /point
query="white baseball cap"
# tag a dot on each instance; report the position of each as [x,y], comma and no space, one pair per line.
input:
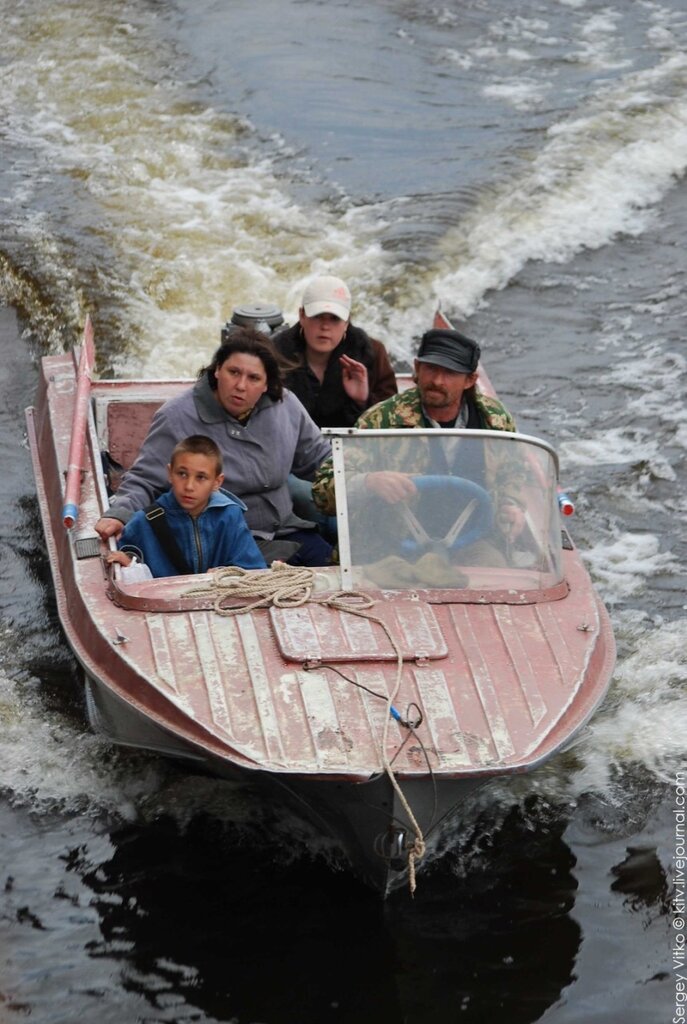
[327,295]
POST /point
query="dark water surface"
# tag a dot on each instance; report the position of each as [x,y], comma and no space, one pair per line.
[521,164]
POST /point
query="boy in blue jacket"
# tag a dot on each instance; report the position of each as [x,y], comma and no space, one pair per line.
[194,526]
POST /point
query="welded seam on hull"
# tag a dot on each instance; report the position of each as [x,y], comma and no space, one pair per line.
[164,665]
[592,636]
[521,664]
[484,687]
[436,703]
[322,718]
[210,668]
[261,689]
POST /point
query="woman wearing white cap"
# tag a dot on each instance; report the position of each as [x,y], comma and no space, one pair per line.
[338,372]
[341,371]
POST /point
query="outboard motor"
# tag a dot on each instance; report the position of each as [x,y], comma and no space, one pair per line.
[264,318]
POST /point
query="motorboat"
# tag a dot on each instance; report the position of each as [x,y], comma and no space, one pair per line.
[448,646]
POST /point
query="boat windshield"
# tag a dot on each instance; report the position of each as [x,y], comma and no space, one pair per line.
[447,510]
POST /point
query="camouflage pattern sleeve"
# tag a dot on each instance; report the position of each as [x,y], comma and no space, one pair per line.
[323,488]
[494,413]
[400,411]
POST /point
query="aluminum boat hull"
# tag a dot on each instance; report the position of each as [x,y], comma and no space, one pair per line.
[501,686]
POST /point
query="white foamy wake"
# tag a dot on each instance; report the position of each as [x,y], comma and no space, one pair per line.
[623,566]
[626,753]
[191,213]
[54,765]
[618,446]
[600,173]
[644,720]
[194,219]
[51,765]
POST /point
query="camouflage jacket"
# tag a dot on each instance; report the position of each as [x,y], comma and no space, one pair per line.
[404,411]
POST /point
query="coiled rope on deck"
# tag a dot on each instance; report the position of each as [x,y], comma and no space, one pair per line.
[288,586]
[284,586]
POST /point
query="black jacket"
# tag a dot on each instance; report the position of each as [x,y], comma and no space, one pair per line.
[328,403]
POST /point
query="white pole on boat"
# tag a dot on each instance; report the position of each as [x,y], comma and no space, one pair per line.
[72,493]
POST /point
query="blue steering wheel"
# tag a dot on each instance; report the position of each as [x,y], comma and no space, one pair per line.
[474,521]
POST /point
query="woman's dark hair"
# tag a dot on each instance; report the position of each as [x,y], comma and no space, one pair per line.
[248,341]
[293,350]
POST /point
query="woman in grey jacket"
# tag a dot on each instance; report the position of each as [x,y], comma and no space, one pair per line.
[263,432]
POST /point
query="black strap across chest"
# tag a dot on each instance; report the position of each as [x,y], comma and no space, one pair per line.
[155,514]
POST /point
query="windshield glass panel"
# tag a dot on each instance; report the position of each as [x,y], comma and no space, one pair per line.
[447,509]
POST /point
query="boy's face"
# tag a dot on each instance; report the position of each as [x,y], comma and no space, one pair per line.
[193,479]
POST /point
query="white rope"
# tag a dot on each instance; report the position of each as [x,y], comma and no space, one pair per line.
[288,586]
[285,586]
[417,850]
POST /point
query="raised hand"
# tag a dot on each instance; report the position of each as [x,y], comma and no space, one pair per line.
[354,379]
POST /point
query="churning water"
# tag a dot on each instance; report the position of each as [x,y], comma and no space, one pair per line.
[521,164]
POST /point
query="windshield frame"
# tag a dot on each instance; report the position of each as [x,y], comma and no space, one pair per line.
[338,438]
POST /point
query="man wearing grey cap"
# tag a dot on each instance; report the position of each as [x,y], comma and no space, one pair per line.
[445,395]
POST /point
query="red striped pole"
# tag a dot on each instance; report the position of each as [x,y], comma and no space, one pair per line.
[70,510]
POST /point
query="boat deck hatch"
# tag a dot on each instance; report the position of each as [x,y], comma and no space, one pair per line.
[317,632]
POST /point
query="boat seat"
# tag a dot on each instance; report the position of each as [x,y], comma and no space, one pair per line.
[127,426]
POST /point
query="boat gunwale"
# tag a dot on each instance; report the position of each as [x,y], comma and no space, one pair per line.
[141,596]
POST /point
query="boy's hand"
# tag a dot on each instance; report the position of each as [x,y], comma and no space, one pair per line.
[118,556]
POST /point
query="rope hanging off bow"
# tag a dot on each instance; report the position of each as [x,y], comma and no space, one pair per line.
[417,850]
[289,586]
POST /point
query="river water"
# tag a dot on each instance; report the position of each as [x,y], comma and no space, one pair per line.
[522,164]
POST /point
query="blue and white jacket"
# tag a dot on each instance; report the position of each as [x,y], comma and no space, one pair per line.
[218,536]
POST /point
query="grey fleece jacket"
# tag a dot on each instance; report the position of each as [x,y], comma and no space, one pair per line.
[278,439]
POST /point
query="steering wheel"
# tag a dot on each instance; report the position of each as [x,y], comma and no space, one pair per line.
[474,521]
